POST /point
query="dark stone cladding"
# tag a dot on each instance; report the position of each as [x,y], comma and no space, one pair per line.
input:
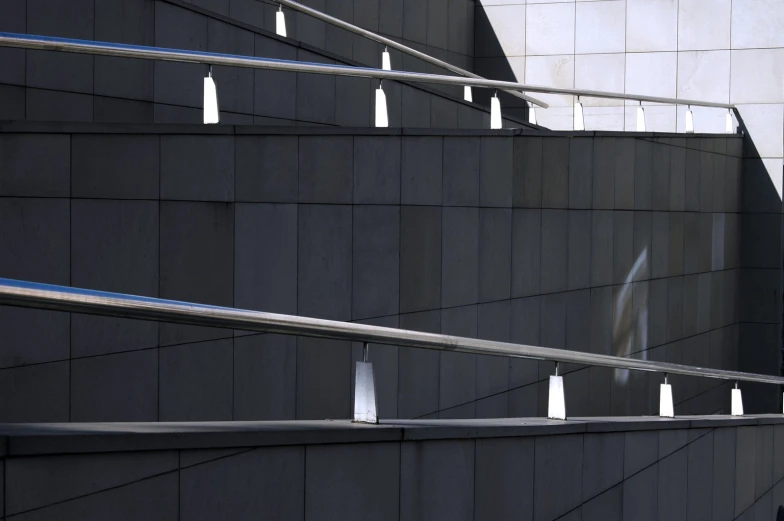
[49,86]
[514,235]
[616,468]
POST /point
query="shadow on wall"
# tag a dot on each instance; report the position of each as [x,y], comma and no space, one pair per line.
[490,62]
[760,311]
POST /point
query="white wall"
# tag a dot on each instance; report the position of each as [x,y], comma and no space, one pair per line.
[713,50]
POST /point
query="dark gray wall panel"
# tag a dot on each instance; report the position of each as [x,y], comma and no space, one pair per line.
[265,369]
[419,369]
[355,103]
[443,113]
[121,167]
[460,256]
[420,258]
[662,154]
[248,11]
[495,173]
[197,168]
[678,175]
[643,175]
[119,387]
[528,171]
[623,246]
[179,83]
[416,107]
[315,92]
[607,506]
[195,381]
[707,181]
[421,175]
[457,378]
[495,254]
[340,41]
[745,472]
[275,91]
[428,471]
[50,105]
[390,18]
[376,261]
[604,174]
[266,168]
[126,22]
[236,84]
[325,169]
[673,494]
[255,483]
[415,20]
[51,70]
[504,479]
[640,495]
[197,244]
[377,170]
[265,259]
[492,372]
[353,482]
[555,233]
[12,102]
[724,445]
[693,166]
[13,18]
[35,165]
[602,248]
[114,247]
[557,489]
[324,265]
[461,171]
[581,173]
[579,250]
[41,393]
[524,329]
[37,247]
[555,172]
[624,173]
[526,252]
[437,30]
[324,372]
[40,482]
[602,462]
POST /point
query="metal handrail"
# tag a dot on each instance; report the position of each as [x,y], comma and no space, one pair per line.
[48,43]
[395,45]
[77,300]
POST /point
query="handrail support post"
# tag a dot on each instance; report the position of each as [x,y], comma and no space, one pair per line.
[365,408]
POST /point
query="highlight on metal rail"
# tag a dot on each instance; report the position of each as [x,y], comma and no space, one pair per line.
[78,300]
[212,113]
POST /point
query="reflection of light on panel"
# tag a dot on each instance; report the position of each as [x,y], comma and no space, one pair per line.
[630,326]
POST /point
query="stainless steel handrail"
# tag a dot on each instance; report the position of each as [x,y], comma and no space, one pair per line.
[76,300]
[395,45]
[47,43]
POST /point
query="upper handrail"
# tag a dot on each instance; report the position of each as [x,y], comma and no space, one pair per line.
[49,43]
[76,300]
[395,45]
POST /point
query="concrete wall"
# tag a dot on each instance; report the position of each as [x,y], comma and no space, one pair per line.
[47,86]
[605,243]
[718,50]
[610,471]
